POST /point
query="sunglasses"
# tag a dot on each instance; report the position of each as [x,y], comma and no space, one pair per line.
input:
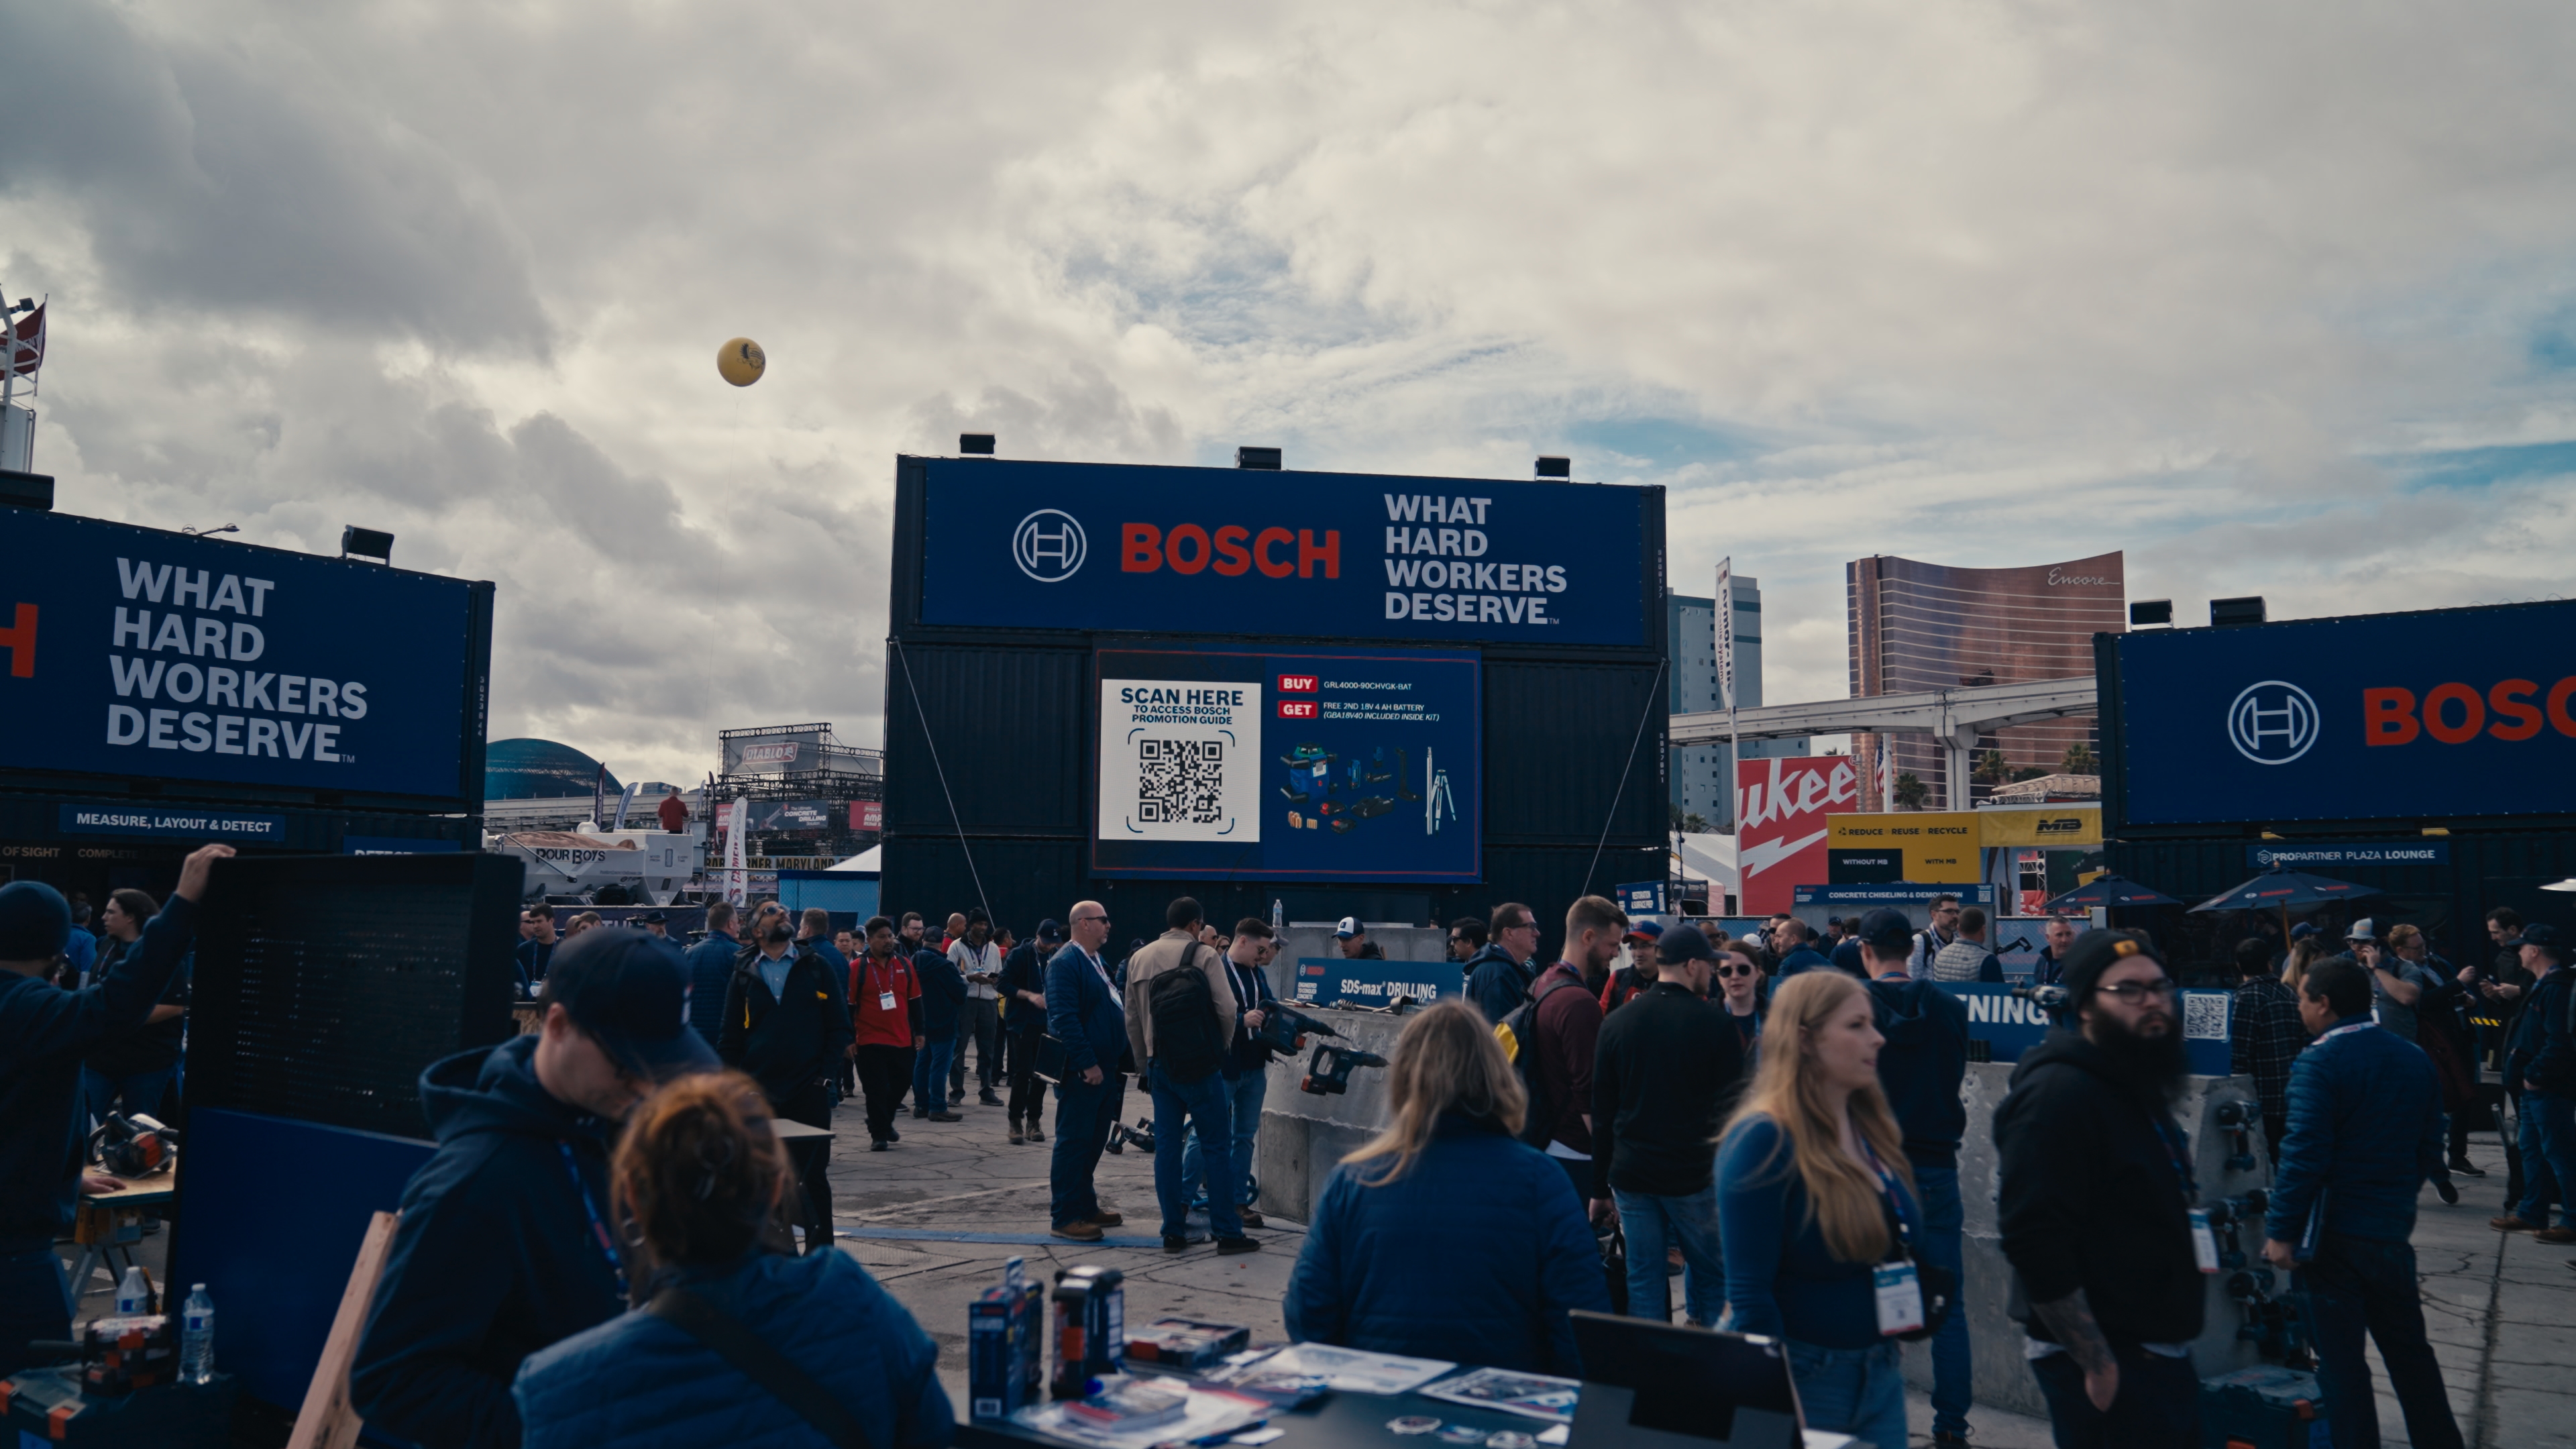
[1734,970]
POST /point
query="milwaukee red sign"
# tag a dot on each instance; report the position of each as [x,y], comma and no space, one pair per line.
[1780,810]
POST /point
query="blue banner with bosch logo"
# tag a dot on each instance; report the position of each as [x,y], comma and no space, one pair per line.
[1308,555]
[1235,762]
[2444,714]
[131,651]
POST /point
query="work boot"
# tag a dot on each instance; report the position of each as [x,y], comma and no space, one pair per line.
[1172,1244]
[1016,1137]
[946,1117]
[1251,1219]
[1076,1232]
[2512,1223]
[989,1098]
[1227,1247]
[2555,1235]
[956,1095]
[1106,1219]
[1034,1134]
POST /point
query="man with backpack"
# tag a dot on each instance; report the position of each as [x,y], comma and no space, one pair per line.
[1552,1037]
[1181,1024]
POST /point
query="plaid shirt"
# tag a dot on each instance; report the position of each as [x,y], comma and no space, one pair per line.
[2269,1036]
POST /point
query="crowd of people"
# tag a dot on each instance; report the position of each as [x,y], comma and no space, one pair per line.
[604,1248]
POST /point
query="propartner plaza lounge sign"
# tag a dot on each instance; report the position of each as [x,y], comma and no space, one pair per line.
[1300,555]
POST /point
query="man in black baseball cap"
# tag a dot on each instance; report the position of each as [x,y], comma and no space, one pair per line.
[507,1241]
[1024,1013]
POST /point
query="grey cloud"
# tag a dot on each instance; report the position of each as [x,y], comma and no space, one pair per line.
[243,178]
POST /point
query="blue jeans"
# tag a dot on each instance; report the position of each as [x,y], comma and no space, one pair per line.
[2548,1153]
[35,1302]
[142,1092]
[1202,1103]
[1654,1224]
[1244,1096]
[1944,1222]
[1855,1391]
[2157,1406]
[930,1072]
[2358,1283]
[1083,1117]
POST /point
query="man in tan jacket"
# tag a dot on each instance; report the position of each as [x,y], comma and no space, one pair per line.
[1181,1069]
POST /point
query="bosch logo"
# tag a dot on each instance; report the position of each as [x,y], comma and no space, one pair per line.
[2272,722]
[1048,546]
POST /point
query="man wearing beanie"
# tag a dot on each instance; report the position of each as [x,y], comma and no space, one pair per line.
[2095,1204]
[508,1241]
[44,1031]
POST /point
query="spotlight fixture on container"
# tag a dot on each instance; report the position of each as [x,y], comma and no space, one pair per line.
[1553,467]
[2151,614]
[2230,613]
[975,445]
[1264,460]
[366,543]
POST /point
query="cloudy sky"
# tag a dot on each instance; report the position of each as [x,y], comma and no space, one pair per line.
[2279,299]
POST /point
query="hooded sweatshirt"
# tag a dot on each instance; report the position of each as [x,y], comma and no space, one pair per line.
[1495,982]
[1922,1066]
[2091,1196]
[498,1254]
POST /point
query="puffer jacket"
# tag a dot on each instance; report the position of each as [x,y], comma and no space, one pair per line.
[2365,1121]
[1398,1268]
[641,1382]
[1495,982]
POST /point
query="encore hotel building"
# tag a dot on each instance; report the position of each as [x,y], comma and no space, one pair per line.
[1919,626]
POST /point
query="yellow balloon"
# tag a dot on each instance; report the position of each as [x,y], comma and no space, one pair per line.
[742,362]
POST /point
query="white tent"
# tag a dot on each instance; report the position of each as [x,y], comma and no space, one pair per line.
[1706,856]
[866,862]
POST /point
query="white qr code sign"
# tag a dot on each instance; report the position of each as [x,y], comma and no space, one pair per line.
[2204,1015]
[1180,760]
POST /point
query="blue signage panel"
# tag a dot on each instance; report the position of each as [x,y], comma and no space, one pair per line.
[2011,1026]
[131,651]
[1894,893]
[1354,764]
[1642,898]
[184,823]
[1327,980]
[1306,555]
[2455,712]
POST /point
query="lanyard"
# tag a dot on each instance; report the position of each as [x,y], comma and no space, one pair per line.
[1103,973]
[2346,1029]
[1896,1199]
[598,1229]
[868,981]
[2178,1148]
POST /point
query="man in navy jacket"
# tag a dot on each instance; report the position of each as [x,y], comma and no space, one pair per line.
[710,967]
[44,1030]
[2365,1130]
[1085,1013]
[507,1243]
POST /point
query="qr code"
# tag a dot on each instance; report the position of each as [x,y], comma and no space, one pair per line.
[1180,781]
[2204,1016]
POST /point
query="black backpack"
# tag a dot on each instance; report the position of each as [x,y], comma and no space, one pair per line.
[1518,1033]
[1183,1010]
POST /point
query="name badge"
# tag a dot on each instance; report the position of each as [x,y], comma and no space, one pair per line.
[1900,1298]
[885,1001]
[2204,1242]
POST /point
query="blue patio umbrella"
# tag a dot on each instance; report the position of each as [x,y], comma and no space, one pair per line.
[2108,890]
[2286,890]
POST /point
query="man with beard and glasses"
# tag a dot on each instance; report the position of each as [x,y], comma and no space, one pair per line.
[2095,1205]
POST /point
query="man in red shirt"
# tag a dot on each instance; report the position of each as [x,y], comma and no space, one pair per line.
[1568,1025]
[885,1011]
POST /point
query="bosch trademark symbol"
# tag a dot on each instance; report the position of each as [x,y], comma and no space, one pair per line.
[1049,546]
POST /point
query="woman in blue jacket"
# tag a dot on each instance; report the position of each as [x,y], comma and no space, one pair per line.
[1446,1237]
[1814,1192]
[695,1179]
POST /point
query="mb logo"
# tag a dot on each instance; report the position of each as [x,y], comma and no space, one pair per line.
[1048,546]
[2272,723]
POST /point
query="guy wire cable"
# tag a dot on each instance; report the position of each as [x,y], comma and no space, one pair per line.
[960,825]
[1653,693]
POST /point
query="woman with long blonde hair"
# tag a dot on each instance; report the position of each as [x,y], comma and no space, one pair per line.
[2304,953]
[1444,1236]
[1814,1195]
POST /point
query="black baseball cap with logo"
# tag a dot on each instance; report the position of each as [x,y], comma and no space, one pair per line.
[629,992]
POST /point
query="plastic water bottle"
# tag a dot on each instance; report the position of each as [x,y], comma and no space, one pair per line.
[134,1295]
[197,1338]
[1278,913]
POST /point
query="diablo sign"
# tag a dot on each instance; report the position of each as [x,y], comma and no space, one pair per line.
[2437,715]
[1781,807]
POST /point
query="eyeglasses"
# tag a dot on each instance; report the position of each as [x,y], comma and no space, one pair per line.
[2138,990]
[1086,920]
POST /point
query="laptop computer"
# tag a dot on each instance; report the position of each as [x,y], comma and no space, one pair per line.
[1674,1387]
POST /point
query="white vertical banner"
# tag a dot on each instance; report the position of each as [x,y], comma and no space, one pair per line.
[737,875]
[1726,631]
